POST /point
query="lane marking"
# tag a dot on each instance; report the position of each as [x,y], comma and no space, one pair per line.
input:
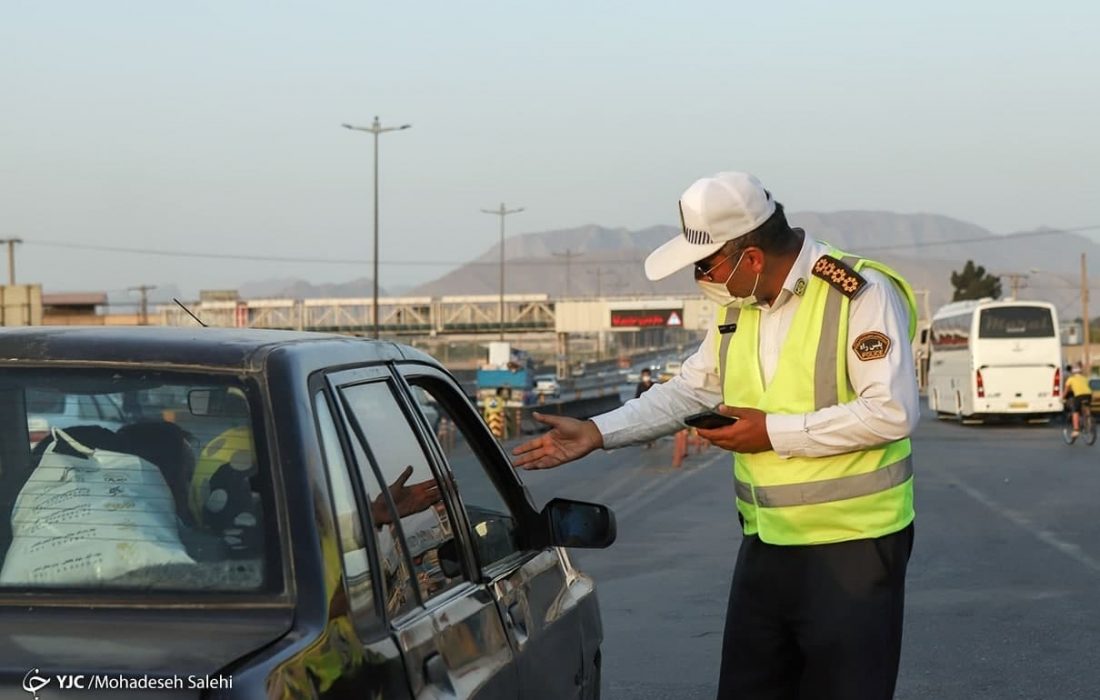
[1023,522]
[632,505]
[618,485]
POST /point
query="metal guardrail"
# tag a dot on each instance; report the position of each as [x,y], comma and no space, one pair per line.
[521,420]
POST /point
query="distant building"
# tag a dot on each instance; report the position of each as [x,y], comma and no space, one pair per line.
[219,295]
[1071,334]
[74,309]
[83,309]
[21,305]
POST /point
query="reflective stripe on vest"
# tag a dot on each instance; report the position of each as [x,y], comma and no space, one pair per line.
[804,500]
[825,367]
[826,490]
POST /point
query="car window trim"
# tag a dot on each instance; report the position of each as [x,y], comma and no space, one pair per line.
[395,387]
[435,603]
[460,527]
[367,375]
[463,532]
[319,390]
[513,492]
[500,471]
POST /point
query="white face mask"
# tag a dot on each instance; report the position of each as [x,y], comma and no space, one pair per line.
[719,293]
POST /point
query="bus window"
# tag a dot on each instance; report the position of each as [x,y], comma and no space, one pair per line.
[1016,322]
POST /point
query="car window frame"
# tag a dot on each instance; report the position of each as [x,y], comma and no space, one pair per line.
[502,474]
[319,390]
[346,378]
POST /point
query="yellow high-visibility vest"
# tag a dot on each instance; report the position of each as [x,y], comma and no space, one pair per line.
[813,500]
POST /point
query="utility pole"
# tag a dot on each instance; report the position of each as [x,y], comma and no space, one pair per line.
[376,128]
[1014,280]
[1085,314]
[502,213]
[568,255]
[144,313]
[11,257]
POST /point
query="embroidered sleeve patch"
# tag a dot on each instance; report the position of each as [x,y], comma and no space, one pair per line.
[871,346]
[846,280]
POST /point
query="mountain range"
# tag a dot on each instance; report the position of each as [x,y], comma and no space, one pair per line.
[591,260]
[925,248]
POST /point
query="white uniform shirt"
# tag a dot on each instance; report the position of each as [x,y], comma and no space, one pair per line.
[886,407]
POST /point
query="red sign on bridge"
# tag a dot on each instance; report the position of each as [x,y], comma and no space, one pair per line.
[646,318]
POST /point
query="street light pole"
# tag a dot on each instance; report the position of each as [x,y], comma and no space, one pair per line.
[376,128]
[1085,316]
[502,212]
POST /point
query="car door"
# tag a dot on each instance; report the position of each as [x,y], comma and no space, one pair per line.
[549,609]
[445,621]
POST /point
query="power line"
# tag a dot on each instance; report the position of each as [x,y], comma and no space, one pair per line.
[985,239]
[542,262]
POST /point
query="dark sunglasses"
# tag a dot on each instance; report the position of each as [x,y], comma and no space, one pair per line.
[703,270]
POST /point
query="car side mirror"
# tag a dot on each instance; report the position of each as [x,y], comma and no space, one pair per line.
[579,524]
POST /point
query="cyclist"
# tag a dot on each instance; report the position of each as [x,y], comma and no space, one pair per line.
[1077,395]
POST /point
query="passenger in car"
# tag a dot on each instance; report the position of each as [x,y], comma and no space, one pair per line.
[169,447]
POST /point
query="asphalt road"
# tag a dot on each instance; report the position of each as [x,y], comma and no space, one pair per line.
[1002,598]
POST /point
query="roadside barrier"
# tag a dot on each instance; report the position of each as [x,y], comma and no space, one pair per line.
[494,418]
[687,442]
[522,420]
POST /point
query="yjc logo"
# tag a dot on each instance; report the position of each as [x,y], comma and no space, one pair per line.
[32,682]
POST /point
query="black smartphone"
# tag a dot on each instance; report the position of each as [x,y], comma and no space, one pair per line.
[709,420]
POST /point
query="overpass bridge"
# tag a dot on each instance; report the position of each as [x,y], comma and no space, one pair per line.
[453,315]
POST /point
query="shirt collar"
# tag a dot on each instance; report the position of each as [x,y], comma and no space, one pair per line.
[801,269]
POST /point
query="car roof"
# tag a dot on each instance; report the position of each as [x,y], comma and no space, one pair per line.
[227,348]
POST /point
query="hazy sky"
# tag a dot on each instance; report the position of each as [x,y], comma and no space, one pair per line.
[214,126]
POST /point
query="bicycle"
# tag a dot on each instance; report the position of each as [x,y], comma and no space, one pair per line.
[1088,427]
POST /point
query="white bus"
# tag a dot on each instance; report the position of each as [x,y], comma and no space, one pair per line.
[995,358]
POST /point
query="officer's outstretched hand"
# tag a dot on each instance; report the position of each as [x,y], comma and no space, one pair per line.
[568,439]
[749,434]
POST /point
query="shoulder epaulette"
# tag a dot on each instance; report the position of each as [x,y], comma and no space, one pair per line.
[846,280]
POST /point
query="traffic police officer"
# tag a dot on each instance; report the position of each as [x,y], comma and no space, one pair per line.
[811,353]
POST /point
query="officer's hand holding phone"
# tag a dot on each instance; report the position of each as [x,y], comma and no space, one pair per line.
[745,430]
[709,420]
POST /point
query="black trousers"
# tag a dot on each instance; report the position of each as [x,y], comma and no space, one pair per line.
[817,622]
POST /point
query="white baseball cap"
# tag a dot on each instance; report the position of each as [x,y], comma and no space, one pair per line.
[713,211]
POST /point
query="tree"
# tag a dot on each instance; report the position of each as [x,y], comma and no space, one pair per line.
[974,283]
